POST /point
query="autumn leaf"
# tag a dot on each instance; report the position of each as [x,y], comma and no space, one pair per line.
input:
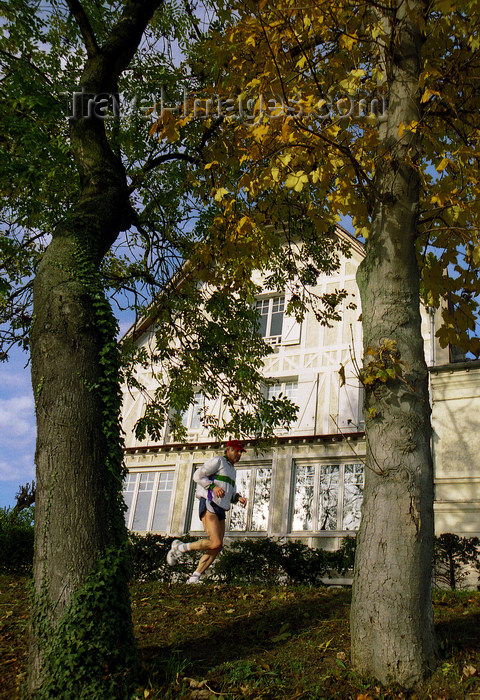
[219,194]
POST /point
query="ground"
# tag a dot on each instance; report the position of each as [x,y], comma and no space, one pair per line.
[235,642]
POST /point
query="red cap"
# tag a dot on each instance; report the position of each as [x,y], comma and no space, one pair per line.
[236,444]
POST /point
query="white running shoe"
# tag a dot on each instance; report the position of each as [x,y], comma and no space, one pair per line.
[194,578]
[173,556]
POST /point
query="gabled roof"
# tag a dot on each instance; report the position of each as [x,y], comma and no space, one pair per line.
[141,325]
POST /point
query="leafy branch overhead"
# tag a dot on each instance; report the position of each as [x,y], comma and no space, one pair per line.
[304,96]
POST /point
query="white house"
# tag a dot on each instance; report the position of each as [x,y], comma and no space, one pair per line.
[309,487]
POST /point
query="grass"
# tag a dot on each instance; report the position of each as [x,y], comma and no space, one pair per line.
[219,641]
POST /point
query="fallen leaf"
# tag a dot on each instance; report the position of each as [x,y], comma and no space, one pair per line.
[196,684]
[281,637]
[202,694]
[469,670]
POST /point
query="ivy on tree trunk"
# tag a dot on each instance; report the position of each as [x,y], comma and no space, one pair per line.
[82,642]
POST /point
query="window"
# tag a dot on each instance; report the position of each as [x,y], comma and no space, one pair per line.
[352,496]
[350,406]
[286,388]
[128,492]
[147,496]
[327,497]
[191,417]
[255,483]
[270,323]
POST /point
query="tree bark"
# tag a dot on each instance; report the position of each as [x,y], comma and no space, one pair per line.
[82,642]
[391,615]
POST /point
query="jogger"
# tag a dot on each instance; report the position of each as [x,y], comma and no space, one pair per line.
[215,491]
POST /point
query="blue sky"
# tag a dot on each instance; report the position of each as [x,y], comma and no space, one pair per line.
[17,427]
[17,423]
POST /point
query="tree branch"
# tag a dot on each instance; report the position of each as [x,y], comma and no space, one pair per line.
[126,35]
[23,59]
[85,27]
[159,160]
[194,19]
[25,498]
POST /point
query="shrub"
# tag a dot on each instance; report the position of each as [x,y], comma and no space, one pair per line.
[249,561]
[261,560]
[16,541]
[302,564]
[266,561]
[149,558]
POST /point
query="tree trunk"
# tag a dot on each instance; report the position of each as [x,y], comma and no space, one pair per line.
[391,616]
[451,571]
[79,531]
[81,597]
[82,643]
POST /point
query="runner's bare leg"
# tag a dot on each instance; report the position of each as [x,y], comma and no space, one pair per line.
[212,546]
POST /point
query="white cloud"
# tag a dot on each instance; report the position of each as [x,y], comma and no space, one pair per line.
[17,449]
[17,419]
[18,380]
[19,469]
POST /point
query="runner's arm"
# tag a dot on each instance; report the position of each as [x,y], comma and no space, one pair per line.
[200,475]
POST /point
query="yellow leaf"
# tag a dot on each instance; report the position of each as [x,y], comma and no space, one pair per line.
[350,83]
[286,129]
[220,194]
[275,172]
[210,165]
[261,130]
[469,670]
[296,180]
[285,158]
[301,62]
[377,30]
[347,41]
[245,225]
[362,232]
[442,165]
[429,93]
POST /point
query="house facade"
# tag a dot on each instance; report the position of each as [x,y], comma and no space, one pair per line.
[309,486]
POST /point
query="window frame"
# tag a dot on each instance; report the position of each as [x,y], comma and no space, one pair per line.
[188,416]
[282,383]
[193,502]
[250,501]
[151,510]
[318,464]
[268,337]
